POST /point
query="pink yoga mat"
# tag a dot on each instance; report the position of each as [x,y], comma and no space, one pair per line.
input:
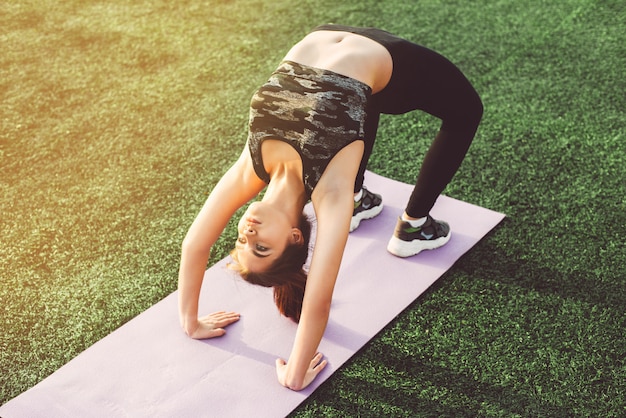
[149,368]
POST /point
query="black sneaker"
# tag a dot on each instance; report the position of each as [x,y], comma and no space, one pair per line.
[370,205]
[408,240]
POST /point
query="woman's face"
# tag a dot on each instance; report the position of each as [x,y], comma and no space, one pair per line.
[263,234]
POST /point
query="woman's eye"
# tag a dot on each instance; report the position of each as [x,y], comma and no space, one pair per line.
[242,240]
[261,248]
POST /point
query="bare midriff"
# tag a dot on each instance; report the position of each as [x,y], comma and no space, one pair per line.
[345,53]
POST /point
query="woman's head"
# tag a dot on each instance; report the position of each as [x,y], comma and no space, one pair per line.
[266,259]
[264,232]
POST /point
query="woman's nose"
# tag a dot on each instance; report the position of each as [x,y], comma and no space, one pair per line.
[248,230]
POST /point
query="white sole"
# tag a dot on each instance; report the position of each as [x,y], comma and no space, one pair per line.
[404,249]
[366,214]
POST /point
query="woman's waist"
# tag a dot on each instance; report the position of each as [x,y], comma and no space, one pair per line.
[345,53]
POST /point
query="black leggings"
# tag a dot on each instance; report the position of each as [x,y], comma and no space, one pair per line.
[423,79]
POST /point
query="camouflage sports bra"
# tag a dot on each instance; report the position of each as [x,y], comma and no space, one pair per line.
[317,112]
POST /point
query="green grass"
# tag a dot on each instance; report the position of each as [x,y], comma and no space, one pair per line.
[117,118]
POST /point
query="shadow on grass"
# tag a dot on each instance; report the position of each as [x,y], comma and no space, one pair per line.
[445,394]
[369,399]
[584,286]
[384,380]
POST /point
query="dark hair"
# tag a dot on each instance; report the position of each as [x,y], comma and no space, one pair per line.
[286,274]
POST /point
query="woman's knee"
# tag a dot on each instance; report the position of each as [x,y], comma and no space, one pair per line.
[473,109]
[468,113]
[476,109]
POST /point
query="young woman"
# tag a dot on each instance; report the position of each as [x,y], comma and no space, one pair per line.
[312,129]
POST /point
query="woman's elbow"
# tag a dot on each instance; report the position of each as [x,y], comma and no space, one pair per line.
[320,308]
[192,246]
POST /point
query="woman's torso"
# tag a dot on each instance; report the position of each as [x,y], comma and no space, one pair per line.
[345,53]
[348,54]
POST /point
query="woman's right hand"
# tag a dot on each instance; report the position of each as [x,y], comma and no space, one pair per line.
[212,325]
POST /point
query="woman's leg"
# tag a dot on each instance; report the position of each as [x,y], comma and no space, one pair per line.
[366,204]
[371,128]
[427,81]
[441,162]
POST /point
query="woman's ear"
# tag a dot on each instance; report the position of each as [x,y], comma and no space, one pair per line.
[296,236]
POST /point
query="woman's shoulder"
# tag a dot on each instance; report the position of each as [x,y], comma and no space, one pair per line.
[242,174]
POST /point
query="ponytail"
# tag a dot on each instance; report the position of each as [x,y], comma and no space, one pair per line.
[290,295]
[286,275]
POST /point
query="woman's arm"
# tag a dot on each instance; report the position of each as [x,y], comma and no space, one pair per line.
[238,185]
[333,202]
[332,232]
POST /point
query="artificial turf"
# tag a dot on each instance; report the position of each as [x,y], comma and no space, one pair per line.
[118,117]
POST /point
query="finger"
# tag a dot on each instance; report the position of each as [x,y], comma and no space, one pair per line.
[225,315]
[204,334]
[218,332]
[220,319]
[320,366]
[222,322]
[280,362]
[317,369]
[316,359]
[210,316]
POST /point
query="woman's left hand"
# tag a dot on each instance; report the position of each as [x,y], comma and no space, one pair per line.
[315,367]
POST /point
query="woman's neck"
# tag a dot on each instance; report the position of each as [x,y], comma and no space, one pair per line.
[286,190]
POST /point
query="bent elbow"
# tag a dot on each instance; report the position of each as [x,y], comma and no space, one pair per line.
[187,245]
[193,246]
